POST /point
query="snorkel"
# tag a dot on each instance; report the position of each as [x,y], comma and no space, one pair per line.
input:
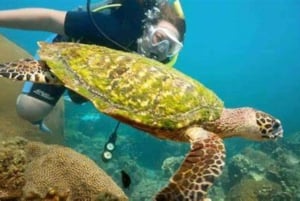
[178,8]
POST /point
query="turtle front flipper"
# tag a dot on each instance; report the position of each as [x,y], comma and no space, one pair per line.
[28,70]
[200,167]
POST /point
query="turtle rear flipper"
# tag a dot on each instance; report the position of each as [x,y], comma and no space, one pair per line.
[28,70]
[200,167]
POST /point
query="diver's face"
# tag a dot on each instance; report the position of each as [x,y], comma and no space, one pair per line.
[160,36]
[163,39]
[160,41]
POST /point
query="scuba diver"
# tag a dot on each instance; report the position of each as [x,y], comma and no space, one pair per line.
[153,28]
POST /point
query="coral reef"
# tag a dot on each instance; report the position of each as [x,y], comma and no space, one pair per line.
[293,143]
[251,190]
[35,171]
[248,164]
[263,172]
[12,167]
[147,188]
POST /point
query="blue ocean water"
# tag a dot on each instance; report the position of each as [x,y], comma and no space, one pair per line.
[247,51]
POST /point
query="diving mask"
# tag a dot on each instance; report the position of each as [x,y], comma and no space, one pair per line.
[158,43]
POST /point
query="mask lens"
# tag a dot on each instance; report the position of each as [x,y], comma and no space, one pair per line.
[162,47]
[166,39]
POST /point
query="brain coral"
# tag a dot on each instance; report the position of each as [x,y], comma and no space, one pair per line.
[12,167]
[52,172]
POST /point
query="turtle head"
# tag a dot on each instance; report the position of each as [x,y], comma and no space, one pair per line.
[269,127]
[248,123]
[257,125]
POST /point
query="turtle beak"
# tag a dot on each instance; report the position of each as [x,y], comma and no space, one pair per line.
[278,130]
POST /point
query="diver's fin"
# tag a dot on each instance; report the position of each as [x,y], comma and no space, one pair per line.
[200,167]
[42,126]
[28,70]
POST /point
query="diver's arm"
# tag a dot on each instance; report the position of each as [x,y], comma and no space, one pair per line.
[34,19]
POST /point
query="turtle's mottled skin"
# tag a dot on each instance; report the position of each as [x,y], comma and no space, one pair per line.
[154,98]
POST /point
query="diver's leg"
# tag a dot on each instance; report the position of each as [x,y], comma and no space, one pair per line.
[36,101]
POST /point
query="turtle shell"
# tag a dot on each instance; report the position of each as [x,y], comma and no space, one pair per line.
[130,87]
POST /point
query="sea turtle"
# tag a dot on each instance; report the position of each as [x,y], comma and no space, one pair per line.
[154,98]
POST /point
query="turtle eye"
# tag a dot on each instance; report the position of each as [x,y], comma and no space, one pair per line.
[276,125]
